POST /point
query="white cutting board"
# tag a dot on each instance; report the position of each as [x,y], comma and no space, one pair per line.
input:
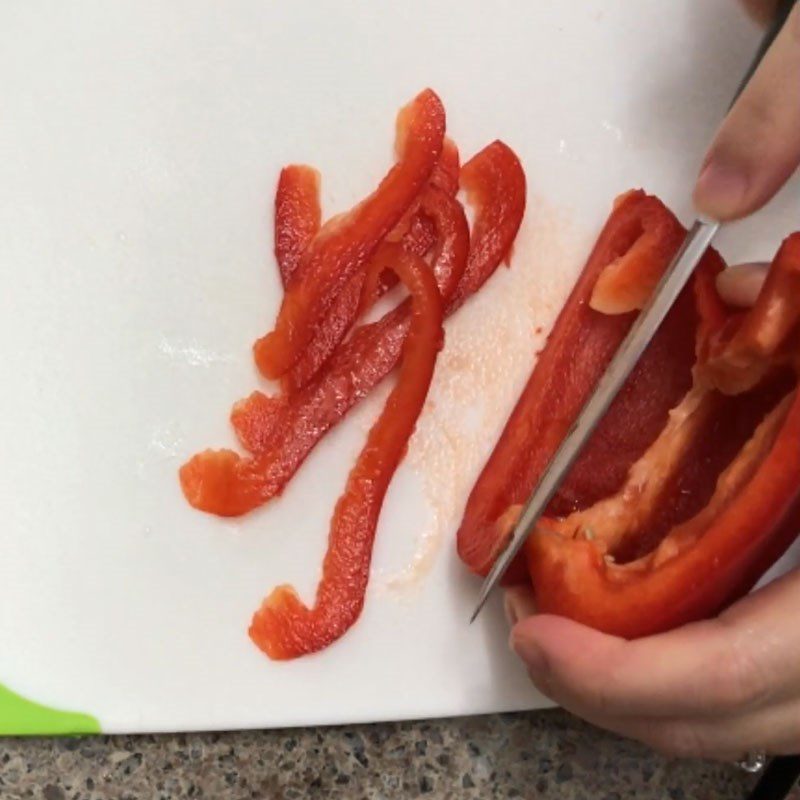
[140,142]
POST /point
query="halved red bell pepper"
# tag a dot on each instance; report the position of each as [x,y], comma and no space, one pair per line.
[284,627]
[642,234]
[345,243]
[297,216]
[418,231]
[730,454]
[685,500]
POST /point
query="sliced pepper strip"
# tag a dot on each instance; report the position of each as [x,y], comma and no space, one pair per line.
[281,431]
[495,185]
[449,231]
[448,169]
[494,177]
[637,242]
[415,230]
[424,223]
[746,349]
[297,216]
[345,243]
[284,627]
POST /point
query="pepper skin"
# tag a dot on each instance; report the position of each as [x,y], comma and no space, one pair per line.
[642,234]
[284,627]
[281,431]
[297,216]
[346,243]
[704,498]
[418,233]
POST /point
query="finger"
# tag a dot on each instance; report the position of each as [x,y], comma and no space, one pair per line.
[774,730]
[519,604]
[758,146]
[740,286]
[762,11]
[746,658]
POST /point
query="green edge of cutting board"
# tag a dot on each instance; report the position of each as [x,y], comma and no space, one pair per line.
[21,717]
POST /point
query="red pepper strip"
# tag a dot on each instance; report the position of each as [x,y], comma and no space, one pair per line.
[495,185]
[332,329]
[414,229]
[345,244]
[284,627]
[639,239]
[449,226]
[744,351]
[731,461]
[418,233]
[281,431]
[297,216]
[447,172]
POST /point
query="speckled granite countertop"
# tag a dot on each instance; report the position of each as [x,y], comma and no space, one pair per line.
[539,755]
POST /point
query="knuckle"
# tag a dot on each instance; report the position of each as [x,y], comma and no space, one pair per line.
[764,120]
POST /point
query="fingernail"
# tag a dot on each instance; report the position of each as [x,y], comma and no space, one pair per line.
[530,652]
[721,190]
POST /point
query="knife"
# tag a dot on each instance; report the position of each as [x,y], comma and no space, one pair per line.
[695,244]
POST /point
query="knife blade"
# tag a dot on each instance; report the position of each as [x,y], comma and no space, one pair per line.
[697,241]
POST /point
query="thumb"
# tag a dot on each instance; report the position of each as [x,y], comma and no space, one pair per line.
[758,146]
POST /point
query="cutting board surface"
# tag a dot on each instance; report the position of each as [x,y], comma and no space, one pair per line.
[140,143]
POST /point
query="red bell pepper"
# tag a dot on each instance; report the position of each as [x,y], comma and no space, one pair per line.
[418,233]
[446,217]
[281,431]
[642,235]
[690,490]
[297,216]
[730,453]
[495,185]
[345,243]
[415,230]
[284,627]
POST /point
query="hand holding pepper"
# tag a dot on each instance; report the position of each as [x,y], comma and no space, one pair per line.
[730,685]
[715,689]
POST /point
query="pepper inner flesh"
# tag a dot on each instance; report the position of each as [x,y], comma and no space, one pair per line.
[711,446]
